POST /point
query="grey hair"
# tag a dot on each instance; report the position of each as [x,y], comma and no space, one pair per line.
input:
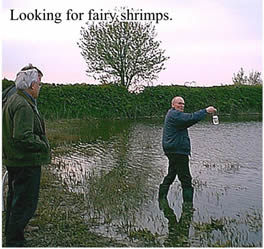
[24,79]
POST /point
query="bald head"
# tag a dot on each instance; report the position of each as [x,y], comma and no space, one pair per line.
[178,103]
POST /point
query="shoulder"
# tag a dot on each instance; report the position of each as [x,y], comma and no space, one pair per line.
[18,101]
[174,113]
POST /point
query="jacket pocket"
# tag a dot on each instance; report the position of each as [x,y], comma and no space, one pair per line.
[185,143]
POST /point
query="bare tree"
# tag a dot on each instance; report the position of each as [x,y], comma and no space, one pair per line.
[254,78]
[241,79]
[124,53]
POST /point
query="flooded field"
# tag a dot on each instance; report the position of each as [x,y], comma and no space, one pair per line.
[117,167]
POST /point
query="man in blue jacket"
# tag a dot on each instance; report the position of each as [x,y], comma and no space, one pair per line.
[177,147]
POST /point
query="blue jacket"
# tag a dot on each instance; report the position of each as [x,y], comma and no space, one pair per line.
[175,137]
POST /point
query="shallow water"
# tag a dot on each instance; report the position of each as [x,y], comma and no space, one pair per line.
[118,166]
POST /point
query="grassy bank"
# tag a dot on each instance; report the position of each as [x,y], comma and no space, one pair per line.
[111,101]
[59,220]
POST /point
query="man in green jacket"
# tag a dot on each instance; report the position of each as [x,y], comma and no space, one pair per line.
[25,149]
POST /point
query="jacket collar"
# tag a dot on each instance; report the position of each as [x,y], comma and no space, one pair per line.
[27,96]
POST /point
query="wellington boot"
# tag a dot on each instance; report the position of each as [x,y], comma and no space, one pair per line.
[187,194]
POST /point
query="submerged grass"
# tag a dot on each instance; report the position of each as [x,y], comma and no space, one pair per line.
[229,232]
[67,219]
[112,199]
[59,219]
[118,192]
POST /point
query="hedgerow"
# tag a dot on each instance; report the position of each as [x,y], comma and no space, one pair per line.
[112,101]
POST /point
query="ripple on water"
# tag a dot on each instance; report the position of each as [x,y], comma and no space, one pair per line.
[226,165]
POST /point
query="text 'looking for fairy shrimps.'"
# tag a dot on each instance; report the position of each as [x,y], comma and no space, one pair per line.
[126,15]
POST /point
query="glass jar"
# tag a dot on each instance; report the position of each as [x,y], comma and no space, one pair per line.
[215,120]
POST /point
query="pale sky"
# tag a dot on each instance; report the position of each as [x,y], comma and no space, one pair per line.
[207,40]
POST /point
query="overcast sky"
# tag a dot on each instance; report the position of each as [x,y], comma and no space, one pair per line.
[207,40]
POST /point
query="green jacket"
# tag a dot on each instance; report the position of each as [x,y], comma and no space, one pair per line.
[23,133]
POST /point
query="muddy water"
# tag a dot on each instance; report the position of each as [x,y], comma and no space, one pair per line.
[118,165]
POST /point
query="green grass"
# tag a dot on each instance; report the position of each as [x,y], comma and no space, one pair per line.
[59,218]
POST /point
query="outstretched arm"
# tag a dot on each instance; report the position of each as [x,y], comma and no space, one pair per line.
[185,120]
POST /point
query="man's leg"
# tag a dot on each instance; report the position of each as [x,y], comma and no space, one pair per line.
[9,198]
[185,178]
[25,188]
[170,177]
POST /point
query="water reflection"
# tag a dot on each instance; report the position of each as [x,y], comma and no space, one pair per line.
[118,165]
[178,230]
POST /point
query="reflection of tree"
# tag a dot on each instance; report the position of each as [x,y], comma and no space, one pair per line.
[116,193]
[178,231]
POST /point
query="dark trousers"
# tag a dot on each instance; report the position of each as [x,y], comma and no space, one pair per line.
[178,166]
[22,199]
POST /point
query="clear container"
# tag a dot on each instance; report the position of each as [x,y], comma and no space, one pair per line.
[215,120]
